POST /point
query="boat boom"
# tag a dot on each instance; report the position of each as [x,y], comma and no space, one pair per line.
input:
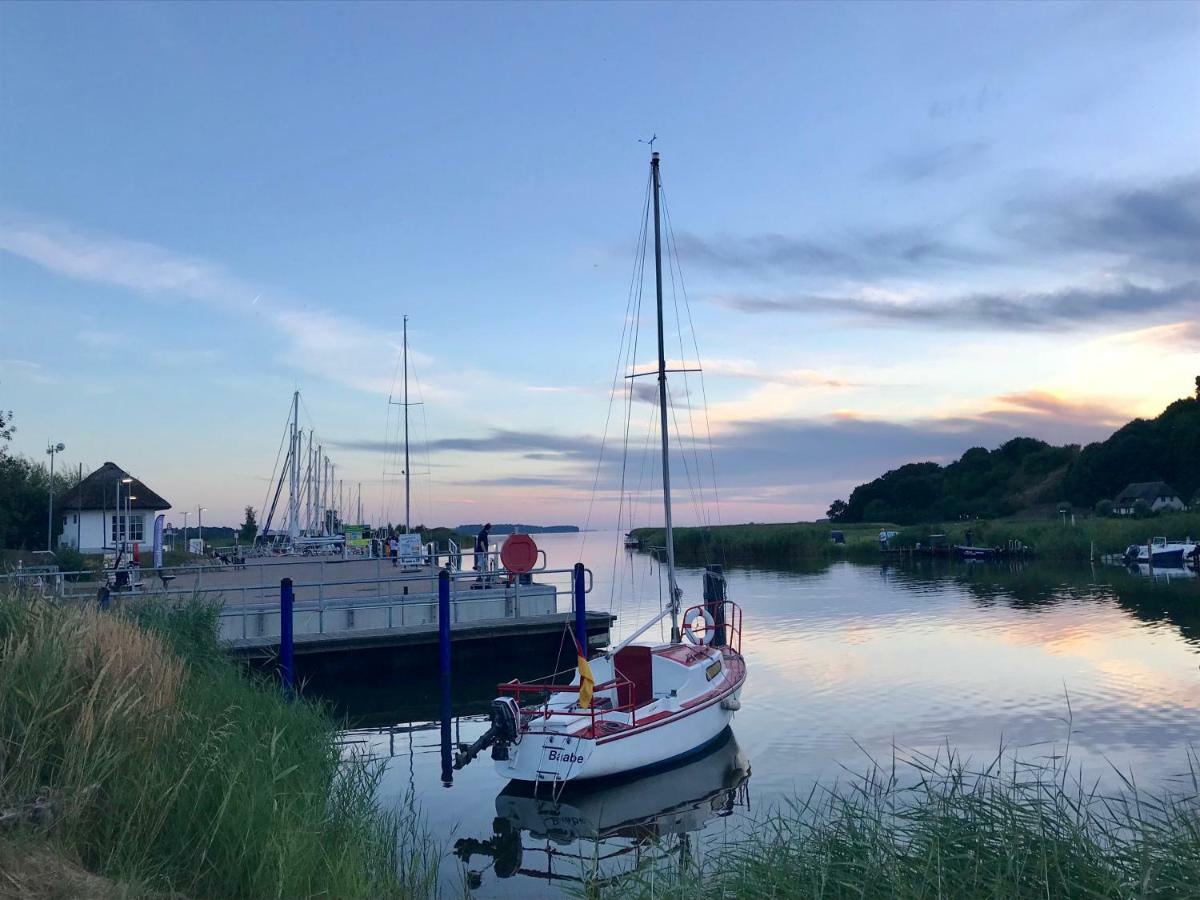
[637,634]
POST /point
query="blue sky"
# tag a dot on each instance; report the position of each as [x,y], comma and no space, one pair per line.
[905,230]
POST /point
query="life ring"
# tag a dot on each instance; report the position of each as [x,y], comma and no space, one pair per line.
[689,619]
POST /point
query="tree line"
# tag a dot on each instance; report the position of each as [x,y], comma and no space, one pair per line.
[25,488]
[1026,472]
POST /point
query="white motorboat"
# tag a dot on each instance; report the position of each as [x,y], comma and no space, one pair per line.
[635,706]
[1161,552]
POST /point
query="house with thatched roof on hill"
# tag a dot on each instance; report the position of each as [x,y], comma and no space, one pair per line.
[1157,495]
[108,508]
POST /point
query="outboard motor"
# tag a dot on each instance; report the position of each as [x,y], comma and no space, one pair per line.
[505,729]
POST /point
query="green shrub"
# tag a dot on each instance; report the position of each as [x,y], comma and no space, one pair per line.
[68,559]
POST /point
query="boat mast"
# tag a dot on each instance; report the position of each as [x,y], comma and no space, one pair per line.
[294,471]
[662,407]
[310,487]
[407,495]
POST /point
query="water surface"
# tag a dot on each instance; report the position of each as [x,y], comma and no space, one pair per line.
[845,662]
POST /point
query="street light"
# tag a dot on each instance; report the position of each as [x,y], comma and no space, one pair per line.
[124,516]
[200,526]
[51,450]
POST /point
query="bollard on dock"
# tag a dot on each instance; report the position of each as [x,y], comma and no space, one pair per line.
[286,643]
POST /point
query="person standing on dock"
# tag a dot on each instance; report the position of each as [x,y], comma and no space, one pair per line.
[481,550]
[394,550]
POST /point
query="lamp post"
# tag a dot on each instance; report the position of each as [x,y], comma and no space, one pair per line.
[186,513]
[51,451]
[200,526]
[124,516]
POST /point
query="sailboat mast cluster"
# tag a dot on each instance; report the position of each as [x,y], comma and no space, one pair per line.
[315,496]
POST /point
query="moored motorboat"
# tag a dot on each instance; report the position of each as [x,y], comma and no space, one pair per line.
[1161,552]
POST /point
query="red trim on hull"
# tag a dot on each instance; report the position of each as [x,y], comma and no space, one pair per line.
[736,672]
[697,704]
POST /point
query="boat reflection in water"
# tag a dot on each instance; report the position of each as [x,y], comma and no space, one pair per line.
[643,819]
[1163,574]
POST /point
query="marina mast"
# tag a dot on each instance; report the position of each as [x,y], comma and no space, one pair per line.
[405,404]
[407,493]
[294,471]
[662,405]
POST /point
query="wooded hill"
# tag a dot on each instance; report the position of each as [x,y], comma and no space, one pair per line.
[1025,473]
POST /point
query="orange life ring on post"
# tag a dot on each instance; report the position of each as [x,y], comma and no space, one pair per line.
[519,553]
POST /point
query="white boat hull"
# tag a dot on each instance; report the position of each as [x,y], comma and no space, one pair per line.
[556,750]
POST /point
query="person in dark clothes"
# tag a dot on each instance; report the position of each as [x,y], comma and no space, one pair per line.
[481,550]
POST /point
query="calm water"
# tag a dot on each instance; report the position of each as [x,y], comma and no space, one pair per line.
[845,660]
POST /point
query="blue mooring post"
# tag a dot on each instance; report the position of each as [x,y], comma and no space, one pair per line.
[444,670]
[581,634]
[286,603]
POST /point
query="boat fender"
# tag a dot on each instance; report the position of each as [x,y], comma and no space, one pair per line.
[733,704]
[689,619]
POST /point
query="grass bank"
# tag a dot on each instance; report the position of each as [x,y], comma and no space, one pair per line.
[131,746]
[796,542]
[932,827]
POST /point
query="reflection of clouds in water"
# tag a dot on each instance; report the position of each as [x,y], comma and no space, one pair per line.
[865,660]
[849,660]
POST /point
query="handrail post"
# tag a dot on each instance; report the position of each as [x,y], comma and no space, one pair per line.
[286,603]
[580,610]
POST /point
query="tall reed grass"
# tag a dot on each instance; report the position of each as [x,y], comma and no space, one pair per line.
[933,827]
[170,767]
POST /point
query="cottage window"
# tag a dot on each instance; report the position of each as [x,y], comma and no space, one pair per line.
[135,528]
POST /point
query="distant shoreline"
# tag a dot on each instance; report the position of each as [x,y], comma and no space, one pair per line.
[519,528]
[1052,539]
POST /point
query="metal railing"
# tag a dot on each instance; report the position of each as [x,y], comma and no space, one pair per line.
[167,578]
[322,606]
[504,598]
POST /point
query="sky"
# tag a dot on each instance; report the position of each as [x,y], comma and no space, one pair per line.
[899,231]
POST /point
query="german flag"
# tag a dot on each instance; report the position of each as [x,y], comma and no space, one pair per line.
[587,683]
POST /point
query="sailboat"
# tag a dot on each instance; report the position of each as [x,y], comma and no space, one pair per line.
[637,706]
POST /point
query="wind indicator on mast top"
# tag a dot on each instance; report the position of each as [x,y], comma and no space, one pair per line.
[650,143]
